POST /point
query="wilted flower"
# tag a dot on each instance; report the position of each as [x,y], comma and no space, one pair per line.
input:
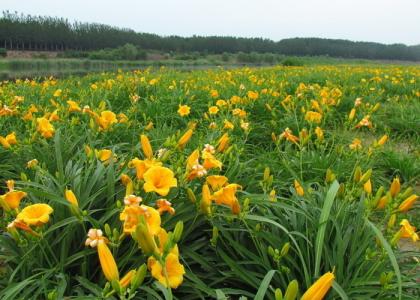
[288,135]
[164,205]
[356,144]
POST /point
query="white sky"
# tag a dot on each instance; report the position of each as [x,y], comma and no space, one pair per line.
[385,21]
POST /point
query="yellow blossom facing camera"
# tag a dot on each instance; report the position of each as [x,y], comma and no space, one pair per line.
[213,110]
[184,110]
[35,214]
[107,119]
[159,180]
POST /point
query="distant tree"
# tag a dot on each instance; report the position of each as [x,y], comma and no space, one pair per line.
[26,32]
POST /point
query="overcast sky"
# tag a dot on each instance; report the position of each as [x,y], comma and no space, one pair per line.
[385,21]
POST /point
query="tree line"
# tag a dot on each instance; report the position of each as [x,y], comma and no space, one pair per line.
[26,32]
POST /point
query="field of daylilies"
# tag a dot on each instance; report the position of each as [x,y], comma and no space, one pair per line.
[252,183]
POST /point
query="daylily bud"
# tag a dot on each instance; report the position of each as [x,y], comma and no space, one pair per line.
[395,187]
[292,290]
[146,146]
[108,264]
[266,173]
[383,201]
[185,138]
[127,278]
[392,220]
[395,239]
[357,174]
[213,240]
[320,288]
[408,191]
[139,277]
[179,227]
[285,249]
[205,203]
[352,114]
[278,295]
[330,176]
[365,177]
[407,204]
[144,238]
[191,195]
[368,187]
[108,230]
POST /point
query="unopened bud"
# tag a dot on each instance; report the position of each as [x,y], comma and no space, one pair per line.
[357,174]
[191,195]
[278,295]
[139,277]
[292,290]
[285,249]
[179,227]
[365,177]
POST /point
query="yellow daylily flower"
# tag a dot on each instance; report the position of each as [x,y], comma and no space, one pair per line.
[142,166]
[130,217]
[107,119]
[35,214]
[45,128]
[408,231]
[184,110]
[172,276]
[12,199]
[159,180]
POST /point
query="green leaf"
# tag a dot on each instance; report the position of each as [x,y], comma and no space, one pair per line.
[340,290]
[325,213]
[264,285]
[391,255]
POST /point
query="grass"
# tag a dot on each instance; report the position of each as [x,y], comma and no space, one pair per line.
[304,206]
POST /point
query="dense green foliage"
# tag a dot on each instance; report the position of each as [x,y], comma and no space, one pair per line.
[48,33]
[281,233]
